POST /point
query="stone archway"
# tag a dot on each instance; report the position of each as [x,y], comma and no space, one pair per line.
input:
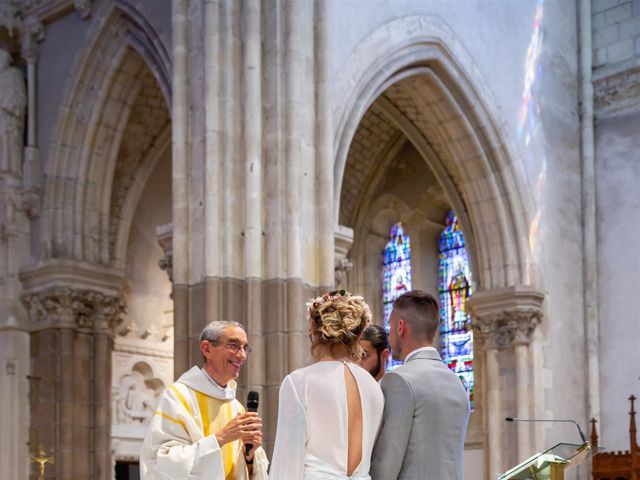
[113,126]
[474,159]
[416,79]
[106,81]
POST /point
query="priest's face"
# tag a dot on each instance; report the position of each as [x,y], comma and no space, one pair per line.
[225,357]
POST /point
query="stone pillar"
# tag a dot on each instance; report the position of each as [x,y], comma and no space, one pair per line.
[503,321]
[14,252]
[33,33]
[14,391]
[73,311]
[247,115]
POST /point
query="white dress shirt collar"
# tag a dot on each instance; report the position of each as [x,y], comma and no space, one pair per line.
[418,350]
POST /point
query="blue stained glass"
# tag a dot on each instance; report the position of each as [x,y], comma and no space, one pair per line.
[396,271]
[455,289]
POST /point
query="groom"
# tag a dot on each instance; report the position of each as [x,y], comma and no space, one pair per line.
[426,407]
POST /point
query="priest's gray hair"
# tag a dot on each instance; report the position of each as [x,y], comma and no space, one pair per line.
[214,330]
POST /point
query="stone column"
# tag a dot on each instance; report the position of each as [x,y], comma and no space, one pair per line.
[33,33]
[503,321]
[253,182]
[73,312]
[14,252]
[14,391]
[180,184]
[247,116]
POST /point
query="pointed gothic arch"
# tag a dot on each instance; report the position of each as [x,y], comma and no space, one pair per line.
[427,87]
[413,79]
[123,57]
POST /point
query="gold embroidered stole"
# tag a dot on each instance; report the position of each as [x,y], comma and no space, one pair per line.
[216,414]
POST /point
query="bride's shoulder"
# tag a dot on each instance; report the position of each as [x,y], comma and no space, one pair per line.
[299,374]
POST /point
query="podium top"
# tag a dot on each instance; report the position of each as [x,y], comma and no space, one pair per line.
[538,467]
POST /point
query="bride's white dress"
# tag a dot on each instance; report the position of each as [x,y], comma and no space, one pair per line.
[311,439]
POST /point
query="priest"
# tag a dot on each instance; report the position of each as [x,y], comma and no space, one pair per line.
[200,430]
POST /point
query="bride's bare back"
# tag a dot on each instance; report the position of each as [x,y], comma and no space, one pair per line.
[328,418]
[354,431]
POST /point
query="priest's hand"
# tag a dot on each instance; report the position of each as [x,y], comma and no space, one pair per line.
[243,427]
[255,441]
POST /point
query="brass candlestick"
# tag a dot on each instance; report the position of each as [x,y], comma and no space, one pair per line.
[42,460]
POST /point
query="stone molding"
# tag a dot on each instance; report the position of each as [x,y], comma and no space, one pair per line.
[143,351]
[68,294]
[9,16]
[71,273]
[618,93]
[82,309]
[51,9]
[505,317]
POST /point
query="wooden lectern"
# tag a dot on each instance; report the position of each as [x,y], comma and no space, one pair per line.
[551,464]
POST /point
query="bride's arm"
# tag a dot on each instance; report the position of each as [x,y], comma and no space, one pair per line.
[291,435]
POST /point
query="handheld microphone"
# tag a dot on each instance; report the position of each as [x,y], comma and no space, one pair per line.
[584,439]
[253,400]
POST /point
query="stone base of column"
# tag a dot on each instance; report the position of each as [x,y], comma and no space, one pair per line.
[14,397]
[73,312]
[503,321]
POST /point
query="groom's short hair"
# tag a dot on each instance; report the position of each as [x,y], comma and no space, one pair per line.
[421,311]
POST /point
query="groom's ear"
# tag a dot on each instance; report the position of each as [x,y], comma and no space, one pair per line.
[402,327]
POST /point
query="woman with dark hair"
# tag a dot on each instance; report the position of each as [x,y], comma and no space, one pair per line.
[375,344]
[329,412]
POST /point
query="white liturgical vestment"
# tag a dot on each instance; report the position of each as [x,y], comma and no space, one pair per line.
[181,443]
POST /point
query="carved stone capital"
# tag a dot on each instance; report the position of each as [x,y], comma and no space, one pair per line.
[49,10]
[343,240]
[70,294]
[164,234]
[65,307]
[31,203]
[83,7]
[32,33]
[9,17]
[166,264]
[505,317]
[342,266]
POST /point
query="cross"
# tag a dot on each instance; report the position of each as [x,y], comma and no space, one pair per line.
[42,460]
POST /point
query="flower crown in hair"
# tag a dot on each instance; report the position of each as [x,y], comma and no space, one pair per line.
[335,295]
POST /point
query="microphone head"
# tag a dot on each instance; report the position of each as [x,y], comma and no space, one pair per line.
[253,399]
[509,419]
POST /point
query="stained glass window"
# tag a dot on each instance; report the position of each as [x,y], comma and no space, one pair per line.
[455,289]
[396,269]
[396,273]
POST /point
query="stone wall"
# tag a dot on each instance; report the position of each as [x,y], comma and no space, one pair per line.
[616,33]
[618,176]
[616,98]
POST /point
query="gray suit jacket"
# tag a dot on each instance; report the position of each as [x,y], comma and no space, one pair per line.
[424,424]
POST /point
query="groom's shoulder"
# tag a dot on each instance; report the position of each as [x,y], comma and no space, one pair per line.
[417,371]
[394,379]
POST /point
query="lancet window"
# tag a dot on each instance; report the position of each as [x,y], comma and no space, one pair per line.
[455,288]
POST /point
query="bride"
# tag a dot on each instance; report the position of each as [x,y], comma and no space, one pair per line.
[329,412]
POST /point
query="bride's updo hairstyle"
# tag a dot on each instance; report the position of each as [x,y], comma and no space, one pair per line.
[339,319]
